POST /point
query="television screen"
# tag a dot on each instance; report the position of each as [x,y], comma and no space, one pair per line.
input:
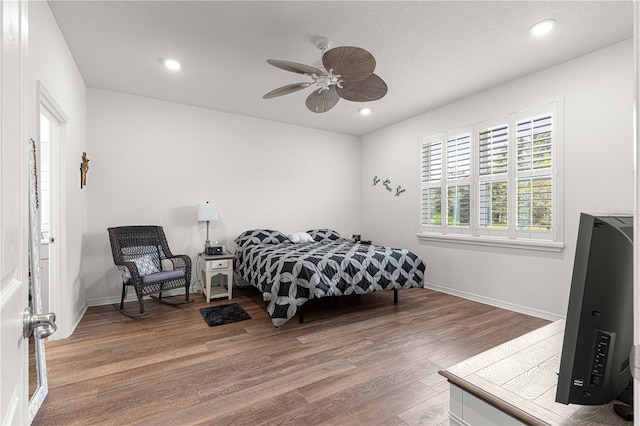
[594,366]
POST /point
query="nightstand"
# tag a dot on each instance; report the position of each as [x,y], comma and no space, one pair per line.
[211,265]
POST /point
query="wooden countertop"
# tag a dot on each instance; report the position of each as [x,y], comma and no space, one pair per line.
[520,377]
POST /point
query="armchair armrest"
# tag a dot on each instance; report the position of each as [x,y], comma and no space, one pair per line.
[128,270]
[180,261]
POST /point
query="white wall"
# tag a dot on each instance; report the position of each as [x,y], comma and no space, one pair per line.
[598,177]
[153,161]
[51,63]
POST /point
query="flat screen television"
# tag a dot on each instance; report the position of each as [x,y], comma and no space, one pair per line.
[594,365]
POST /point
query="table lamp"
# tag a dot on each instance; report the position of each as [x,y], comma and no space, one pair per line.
[206,213]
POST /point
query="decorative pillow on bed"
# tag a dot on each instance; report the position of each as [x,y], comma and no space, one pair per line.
[324,234]
[260,236]
[300,237]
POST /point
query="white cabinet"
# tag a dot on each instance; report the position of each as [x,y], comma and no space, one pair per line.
[466,409]
[211,266]
[515,384]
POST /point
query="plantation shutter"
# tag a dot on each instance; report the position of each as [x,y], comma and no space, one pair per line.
[458,180]
[534,166]
[496,180]
[459,157]
[431,162]
[493,159]
[431,191]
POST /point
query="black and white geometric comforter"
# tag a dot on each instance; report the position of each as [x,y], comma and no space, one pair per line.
[289,274]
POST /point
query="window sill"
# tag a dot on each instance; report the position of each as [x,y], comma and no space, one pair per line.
[538,245]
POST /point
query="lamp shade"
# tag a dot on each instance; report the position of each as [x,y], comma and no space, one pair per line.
[207,211]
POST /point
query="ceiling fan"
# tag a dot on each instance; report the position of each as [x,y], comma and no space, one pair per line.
[345,72]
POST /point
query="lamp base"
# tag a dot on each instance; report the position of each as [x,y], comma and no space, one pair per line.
[207,243]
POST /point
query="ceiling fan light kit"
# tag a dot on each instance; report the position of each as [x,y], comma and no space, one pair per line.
[346,72]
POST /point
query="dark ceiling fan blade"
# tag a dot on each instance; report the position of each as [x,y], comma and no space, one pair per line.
[295,67]
[370,89]
[285,90]
[353,64]
[322,100]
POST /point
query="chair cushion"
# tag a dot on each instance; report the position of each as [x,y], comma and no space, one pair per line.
[162,276]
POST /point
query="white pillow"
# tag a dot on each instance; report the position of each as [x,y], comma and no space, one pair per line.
[294,238]
[300,237]
[305,238]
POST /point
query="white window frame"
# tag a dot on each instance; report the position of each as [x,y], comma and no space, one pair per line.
[550,240]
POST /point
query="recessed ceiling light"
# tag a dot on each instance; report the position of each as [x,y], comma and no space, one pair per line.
[543,27]
[172,64]
[365,111]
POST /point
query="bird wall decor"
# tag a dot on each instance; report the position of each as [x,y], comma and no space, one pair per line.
[387,184]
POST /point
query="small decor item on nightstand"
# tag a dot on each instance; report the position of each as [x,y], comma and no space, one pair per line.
[214,250]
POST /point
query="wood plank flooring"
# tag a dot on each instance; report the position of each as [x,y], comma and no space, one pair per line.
[357,360]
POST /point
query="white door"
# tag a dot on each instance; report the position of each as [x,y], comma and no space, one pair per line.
[20,300]
[635,363]
[14,219]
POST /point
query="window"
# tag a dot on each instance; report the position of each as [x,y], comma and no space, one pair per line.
[496,179]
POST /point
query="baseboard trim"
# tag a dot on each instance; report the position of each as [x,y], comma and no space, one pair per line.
[495,302]
[454,292]
[77,319]
[132,298]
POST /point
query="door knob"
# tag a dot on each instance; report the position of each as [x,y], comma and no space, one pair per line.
[40,325]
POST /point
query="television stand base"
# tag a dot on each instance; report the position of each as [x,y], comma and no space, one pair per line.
[624,411]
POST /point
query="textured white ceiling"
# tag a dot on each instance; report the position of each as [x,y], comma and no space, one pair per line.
[430,53]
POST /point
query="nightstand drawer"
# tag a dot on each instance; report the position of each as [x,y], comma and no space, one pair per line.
[218,264]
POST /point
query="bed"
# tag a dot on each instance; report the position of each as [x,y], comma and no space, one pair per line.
[289,274]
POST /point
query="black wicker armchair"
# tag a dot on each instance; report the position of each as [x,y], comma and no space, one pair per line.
[144,259]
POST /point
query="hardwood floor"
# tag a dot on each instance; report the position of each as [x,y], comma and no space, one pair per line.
[357,360]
